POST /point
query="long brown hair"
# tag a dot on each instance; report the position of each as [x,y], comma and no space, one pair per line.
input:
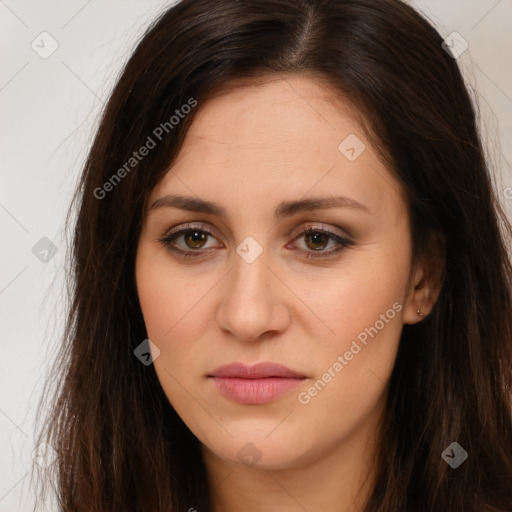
[120,444]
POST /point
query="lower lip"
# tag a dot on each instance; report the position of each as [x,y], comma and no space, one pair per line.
[255,391]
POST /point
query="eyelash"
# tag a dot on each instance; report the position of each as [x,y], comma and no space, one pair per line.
[167,239]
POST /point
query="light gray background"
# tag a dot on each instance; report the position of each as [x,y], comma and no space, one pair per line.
[49,109]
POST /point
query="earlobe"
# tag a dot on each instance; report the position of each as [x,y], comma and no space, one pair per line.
[419,304]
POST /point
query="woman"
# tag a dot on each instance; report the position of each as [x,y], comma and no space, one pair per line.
[291,282]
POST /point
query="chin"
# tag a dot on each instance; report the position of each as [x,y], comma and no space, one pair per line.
[273,452]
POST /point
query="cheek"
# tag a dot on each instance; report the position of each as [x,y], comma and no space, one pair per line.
[174,306]
[354,366]
[363,310]
[168,299]
[175,323]
[355,299]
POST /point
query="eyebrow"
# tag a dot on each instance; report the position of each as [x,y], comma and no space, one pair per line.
[284,209]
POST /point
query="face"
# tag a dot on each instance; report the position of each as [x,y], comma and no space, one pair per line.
[293,248]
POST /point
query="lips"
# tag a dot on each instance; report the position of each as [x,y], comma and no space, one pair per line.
[257,384]
[257,371]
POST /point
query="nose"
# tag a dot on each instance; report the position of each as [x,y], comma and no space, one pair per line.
[253,301]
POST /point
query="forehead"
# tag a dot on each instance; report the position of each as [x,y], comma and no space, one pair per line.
[278,139]
[290,107]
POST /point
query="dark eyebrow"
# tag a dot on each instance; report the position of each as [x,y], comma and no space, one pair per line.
[284,209]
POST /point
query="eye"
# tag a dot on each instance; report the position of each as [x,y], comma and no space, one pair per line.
[194,238]
[317,239]
[194,242]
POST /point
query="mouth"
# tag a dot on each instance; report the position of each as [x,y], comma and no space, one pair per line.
[257,384]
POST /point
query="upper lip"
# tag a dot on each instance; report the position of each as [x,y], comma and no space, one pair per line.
[256,371]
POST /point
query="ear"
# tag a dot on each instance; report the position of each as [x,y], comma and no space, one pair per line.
[427,280]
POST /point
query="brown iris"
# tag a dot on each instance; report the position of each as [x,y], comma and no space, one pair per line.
[196,238]
[317,239]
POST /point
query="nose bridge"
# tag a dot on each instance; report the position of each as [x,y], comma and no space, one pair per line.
[250,277]
[250,305]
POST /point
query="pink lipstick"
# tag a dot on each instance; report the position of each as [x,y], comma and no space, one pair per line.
[257,384]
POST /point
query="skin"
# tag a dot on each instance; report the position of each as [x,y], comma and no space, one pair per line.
[248,150]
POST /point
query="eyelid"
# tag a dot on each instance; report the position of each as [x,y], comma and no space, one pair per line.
[323,227]
[191,225]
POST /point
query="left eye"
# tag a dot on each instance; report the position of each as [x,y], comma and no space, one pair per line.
[316,241]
